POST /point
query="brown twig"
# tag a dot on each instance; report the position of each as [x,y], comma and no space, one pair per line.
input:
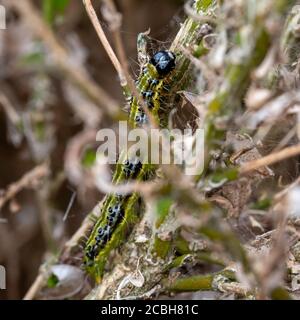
[279,196]
[114,19]
[30,179]
[270,159]
[9,110]
[73,155]
[107,47]
[35,287]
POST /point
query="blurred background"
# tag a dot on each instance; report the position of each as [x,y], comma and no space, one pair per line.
[47,125]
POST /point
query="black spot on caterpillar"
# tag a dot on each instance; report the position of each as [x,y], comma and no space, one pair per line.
[115,213]
[131,168]
[120,213]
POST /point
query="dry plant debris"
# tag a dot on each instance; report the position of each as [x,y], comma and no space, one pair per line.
[229,232]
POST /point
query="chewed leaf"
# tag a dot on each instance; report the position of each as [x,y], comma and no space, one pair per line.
[64,281]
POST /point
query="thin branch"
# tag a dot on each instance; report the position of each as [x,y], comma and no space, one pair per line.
[107,47]
[35,287]
[69,206]
[270,159]
[279,196]
[114,18]
[30,179]
[9,110]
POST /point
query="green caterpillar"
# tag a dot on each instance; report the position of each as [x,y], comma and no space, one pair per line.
[120,212]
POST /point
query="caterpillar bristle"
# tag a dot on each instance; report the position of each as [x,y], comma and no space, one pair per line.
[82,242]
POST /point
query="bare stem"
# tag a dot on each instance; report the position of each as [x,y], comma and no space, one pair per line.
[272,158]
[106,45]
[30,179]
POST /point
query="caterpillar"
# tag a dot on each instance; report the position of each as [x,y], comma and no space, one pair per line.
[153,84]
[119,212]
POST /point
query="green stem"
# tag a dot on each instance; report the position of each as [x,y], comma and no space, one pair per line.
[196,283]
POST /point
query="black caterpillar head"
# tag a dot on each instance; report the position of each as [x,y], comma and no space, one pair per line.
[164,62]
